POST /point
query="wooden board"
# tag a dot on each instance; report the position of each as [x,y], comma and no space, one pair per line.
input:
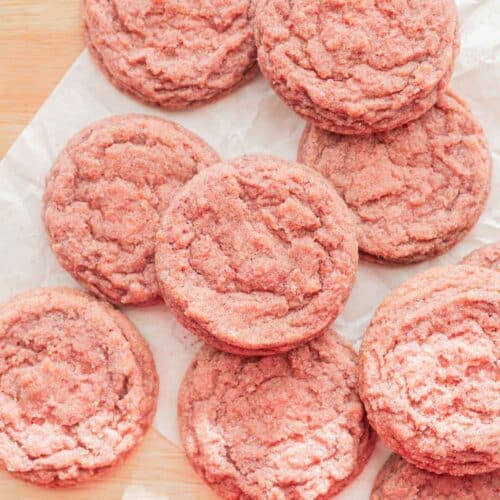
[39,39]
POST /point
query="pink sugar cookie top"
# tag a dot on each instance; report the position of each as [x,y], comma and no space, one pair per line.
[355,67]
[415,190]
[429,373]
[104,197]
[399,480]
[487,256]
[289,426]
[258,254]
[174,53]
[78,386]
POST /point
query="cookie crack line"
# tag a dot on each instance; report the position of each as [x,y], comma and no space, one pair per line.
[70,430]
[371,63]
[286,244]
[208,18]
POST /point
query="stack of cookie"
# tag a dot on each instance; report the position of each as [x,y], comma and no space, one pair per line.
[257,257]
[405,153]
[428,373]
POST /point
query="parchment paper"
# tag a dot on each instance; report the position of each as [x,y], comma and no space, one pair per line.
[252,120]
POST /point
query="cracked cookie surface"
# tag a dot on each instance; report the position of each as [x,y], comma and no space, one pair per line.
[399,480]
[415,190]
[173,53]
[358,66]
[487,256]
[78,386]
[104,197]
[429,370]
[256,255]
[289,426]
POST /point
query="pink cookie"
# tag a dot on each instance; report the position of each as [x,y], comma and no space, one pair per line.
[257,255]
[416,190]
[285,426]
[357,67]
[78,387]
[104,196]
[429,370]
[487,256]
[173,53]
[398,480]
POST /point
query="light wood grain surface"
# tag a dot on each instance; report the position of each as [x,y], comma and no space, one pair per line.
[39,39]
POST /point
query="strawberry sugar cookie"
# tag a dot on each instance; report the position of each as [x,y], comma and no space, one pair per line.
[173,53]
[358,67]
[487,256]
[284,426]
[78,387]
[257,255]
[104,197]
[399,480]
[429,374]
[416,190]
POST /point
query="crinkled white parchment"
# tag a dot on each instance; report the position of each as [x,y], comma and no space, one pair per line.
[251,120]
